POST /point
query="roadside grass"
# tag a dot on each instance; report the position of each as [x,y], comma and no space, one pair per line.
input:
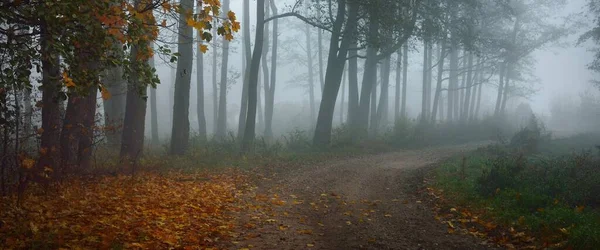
[552,194]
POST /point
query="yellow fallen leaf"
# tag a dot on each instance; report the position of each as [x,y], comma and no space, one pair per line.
[310,245]
[388,215]
[348,223]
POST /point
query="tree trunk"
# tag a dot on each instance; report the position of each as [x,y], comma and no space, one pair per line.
[369,80]
[476,114]
[382,110]
[333,75]
[453,82]
[429,77]
[135,112]
[311,88]
[200,92]
[398,86]
[270,97]
[426,52]
[373,109]
[261,117]
[71,131]
[222,117]
[215,95]
[153,116]
[476,82]
[265,69]
[404,79]
[465,112]
[500,89]
[343,96]
[51,85]
[506,90]
[438,87]
[248,139]
[320,51]
[86,140]
[114,107]
[180,135]
[247,55]
[352,84]
[461,88]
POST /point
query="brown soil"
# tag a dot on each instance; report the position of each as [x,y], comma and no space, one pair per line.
[367,202]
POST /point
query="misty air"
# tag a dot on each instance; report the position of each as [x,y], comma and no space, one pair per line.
[300,124]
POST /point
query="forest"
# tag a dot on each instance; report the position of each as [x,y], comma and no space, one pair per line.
[299,124]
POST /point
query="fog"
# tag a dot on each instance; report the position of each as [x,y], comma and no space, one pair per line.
[558,74]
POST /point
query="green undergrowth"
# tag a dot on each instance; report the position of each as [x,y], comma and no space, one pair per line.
[552,193]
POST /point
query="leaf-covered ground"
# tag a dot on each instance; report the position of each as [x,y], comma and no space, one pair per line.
[366,202]
[150,211]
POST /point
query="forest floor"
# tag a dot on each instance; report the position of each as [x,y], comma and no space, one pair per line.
[363,202]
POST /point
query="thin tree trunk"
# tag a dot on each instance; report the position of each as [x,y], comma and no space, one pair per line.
[311,88]
[320,52]
[153,116]
[373,109]
[352,84]
[248,139]
[461,90]
[404,80]
[437,103]
[200,92]
[114,107]
[476,83]
[453,82]
[500,88]
[506,90]
[429,77]
[465,112]
[261,117]
[426,52]
[265,69]
[270,97]
[398,85]
[222,117]
[476,114]
[247,56]
[369,81]
[343,96]
[215,87]
[382,110]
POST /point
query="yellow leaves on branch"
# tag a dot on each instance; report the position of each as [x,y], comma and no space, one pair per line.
[67,80]
[104,92]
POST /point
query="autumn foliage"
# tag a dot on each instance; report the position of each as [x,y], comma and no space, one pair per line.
[150,211]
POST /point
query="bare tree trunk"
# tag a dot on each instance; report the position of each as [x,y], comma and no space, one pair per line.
[200,93]
[437,103]
[114,107]
[153,116]
[373,108]
[247,55]
[476,114]
[215,87]
[28,113]
[352,84]
[465,112]
[453,82]
[338,51]
[426,52]
[476,83]
[404,79]
[343,96]
[261,117]
[429,77]
[248,139]
[398,85]
[320,52]
[500,89]
[461,88]
[222,116]
[506,90]
[265,69]
[270,98]
[441,106]
[382,110]
[369,81]
[311,88]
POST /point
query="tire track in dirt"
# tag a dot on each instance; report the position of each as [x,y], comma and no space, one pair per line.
[366,202]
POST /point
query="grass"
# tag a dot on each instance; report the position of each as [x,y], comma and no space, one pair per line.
[552,194]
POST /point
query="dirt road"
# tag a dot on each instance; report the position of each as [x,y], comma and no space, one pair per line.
[359,203]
